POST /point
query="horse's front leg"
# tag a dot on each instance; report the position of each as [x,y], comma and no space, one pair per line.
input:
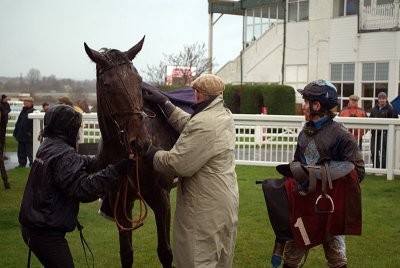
[159,203]
[125,237]
[125,249]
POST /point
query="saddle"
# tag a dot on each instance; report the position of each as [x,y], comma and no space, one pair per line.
[314,202]
[307,176]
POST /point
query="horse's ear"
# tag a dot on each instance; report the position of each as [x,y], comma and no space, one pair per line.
[131,53]
[95,56]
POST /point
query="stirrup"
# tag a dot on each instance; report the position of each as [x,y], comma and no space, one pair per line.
[326,196]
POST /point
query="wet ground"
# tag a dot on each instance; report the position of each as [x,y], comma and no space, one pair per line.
[12,160]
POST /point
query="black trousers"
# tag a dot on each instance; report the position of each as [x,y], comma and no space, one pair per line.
[25,150]
[3,126]
[378,148]
[51,249]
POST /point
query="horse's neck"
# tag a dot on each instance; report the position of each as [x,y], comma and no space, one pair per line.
[108,153]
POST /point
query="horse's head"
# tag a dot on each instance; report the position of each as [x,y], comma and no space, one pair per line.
[119,97]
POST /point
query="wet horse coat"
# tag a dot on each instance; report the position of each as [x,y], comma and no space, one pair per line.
[127,128]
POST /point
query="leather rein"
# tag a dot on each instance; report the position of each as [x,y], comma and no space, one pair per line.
[123,138]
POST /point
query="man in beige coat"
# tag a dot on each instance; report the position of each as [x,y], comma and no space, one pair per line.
[206,216]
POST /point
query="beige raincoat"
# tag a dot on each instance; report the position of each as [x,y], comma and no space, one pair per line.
[206,217]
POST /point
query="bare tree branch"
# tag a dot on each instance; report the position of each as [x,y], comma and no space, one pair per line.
[156,74]
[33,77]
[190,63]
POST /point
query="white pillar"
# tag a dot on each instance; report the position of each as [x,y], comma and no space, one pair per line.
[210,42]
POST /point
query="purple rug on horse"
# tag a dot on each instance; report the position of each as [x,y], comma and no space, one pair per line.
[182,97]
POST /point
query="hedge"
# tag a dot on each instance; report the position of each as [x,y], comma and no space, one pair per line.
[280,100]
[232,98]
[248,99]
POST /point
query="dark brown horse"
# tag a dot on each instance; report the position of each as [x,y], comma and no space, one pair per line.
[127,128]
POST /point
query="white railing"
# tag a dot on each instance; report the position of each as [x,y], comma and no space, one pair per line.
[91,131]
[375,17]
[269,140]
[12,119]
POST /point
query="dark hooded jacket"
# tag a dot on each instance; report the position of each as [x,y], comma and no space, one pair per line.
[60,178]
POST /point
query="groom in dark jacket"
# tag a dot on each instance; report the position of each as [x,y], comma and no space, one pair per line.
[59,180]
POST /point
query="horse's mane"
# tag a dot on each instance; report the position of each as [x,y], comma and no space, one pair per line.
[114,56]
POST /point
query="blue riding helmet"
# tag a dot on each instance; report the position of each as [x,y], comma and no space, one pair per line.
[322,91]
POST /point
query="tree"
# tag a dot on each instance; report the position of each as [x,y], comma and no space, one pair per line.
[33,77]
[189,64]
[156,74]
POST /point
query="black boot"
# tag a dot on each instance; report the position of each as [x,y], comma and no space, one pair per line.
[105,209]
[6,185]
[4,175]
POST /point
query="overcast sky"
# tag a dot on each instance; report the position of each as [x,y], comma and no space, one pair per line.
[48,35]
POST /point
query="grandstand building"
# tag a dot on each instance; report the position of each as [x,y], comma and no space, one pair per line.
[353,43]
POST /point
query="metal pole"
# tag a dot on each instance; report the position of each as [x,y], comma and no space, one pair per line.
[210,42]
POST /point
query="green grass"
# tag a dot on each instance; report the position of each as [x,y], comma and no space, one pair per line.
[377,247]
[11,144]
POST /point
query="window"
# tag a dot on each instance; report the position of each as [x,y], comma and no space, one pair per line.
[260,19]
[375,76]
[342,76]
[345,8]
[297,10]
[384,2]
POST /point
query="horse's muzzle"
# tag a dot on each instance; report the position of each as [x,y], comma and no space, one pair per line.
[139,146]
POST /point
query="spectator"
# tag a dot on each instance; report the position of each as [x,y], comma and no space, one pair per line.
[23,133]
[352,110]
[58,181]
[206,217]
[382,109]
[4,111]
[45,108]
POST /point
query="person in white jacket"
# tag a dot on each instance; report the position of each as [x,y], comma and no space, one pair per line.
[206,217]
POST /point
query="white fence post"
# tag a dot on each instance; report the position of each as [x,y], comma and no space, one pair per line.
[390,153]
[36,131]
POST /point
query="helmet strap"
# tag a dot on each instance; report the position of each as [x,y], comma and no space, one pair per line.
[312,111]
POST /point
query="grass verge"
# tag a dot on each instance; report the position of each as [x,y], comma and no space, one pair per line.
[377,247]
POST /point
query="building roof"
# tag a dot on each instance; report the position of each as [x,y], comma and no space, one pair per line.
[236,7]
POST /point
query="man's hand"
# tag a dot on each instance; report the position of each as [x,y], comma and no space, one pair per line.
[149,155]
[154,96]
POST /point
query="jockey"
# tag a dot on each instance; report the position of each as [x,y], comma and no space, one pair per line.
[58,181]
[323,139]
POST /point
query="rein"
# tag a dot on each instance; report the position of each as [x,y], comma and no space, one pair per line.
[143,206]
[123,138]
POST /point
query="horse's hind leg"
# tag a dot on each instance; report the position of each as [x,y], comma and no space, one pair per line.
[159,203]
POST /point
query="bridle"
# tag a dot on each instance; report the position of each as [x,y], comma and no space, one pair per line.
[123,139]
[122,130]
